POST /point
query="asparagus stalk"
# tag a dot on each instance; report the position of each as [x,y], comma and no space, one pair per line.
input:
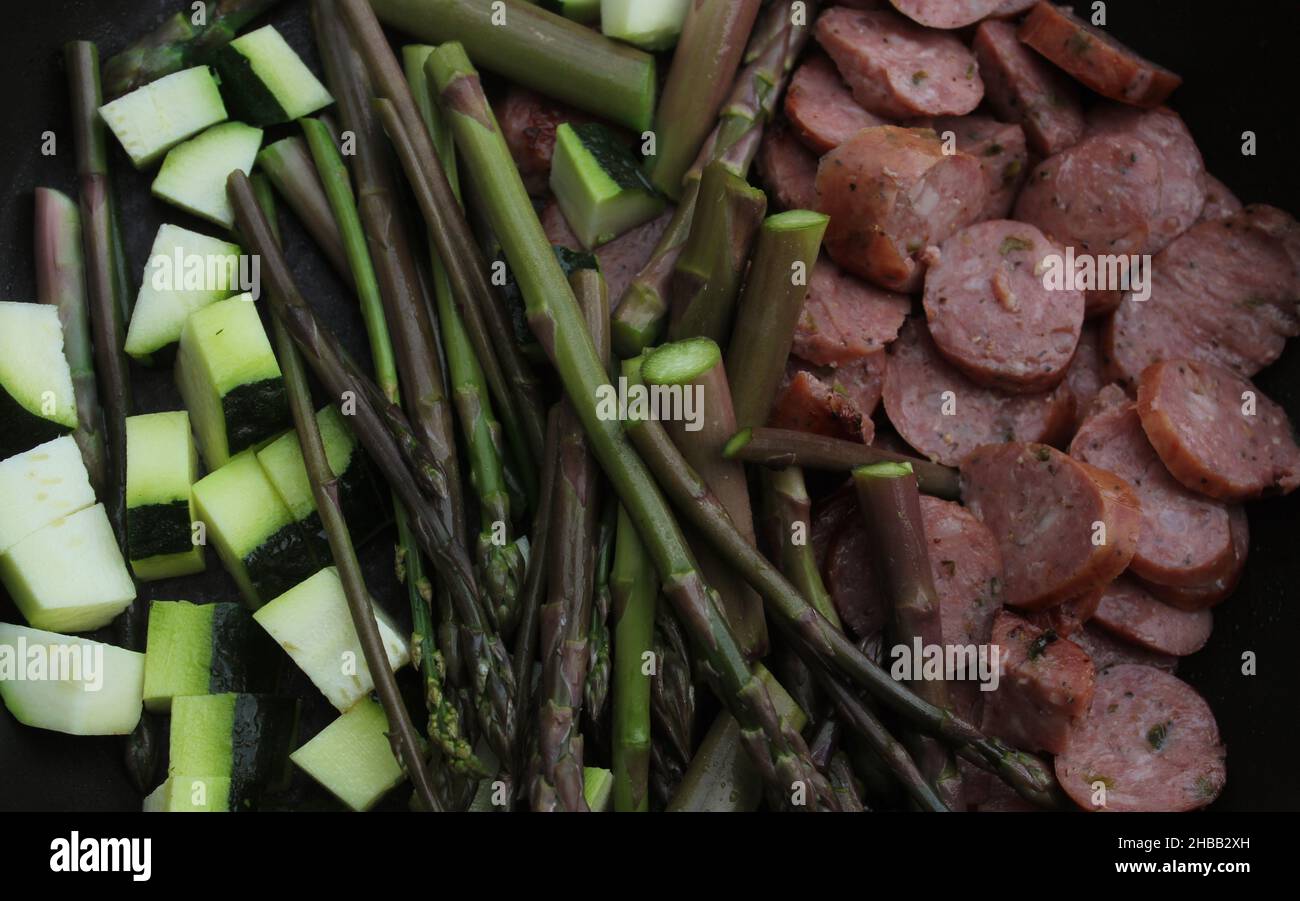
[185,39]
[695,366]
[769,310]
[707,277]
[599,664]
[537,577]
[418,478]
[777,40]
[538,49]
[672,706]
[634,589]
[325,489]
[819,641]
[704,66]
[556,320]
[61,282]
[785,447]
[289,165]
[514,387]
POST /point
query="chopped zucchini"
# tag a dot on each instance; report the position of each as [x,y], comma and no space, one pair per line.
[193,176]
[364,504]
[584,11]
[352,756]
[244,738]
[152,119]
[186,272]
[39,486]
[201,649]
[599,184]
[66,684]
[313,624]
[266,81]
[161,465]
[36,400]
[190,794]
[69,576]
[229,380]
[649,24]
[598,789]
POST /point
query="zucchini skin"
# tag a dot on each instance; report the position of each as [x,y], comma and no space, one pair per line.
[246,93]
[154,530]
[21,430]
[244,659]
[254,412]
[261,737]
[284,559]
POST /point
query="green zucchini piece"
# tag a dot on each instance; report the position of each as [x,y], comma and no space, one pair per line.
[186,272]
[256,537]
[67,684]
[584,11]
[245,738]
[161,465]
[152,119]
[36,399]
[352,756]
[201,649]
[314,626]
[599,184]
[598,789]
[364,505]
[266,81]
[39,486]
[193,176]
[190,794]
[230,380]
[69,576]
[649,24]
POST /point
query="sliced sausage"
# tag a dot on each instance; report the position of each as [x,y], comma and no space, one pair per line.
[845,318]
[851,581]
[891,193]
[832,401]
[788,169]
[1065,528]
[528,123]
[620,259]
[944,416]
[946,13]
[1130,612]
[1186,538]
[1084,378]
[1216,591]
[1021,88]
[1002,154]
[1220,202]
[990,314]
[1107,650]
[895,68]
[1096,59]
[1010,8]
[829,514]
[1068,618]
[1044,683]
[821,108]
[1216,432]
[1149,740]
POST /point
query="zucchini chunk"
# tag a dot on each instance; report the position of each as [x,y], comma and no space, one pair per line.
[256,537]
[649,24]
[193,176]
[243,738]
[152,119]
[599,184]
[266,81]
[365,506]
[39,486]
[584,11]
[186,272]
[69,576]
[314,626]
[598,789]
[202,649]
[352,756]
[161,465]
[67,684]
[190,794]
[229,380]
[36,400]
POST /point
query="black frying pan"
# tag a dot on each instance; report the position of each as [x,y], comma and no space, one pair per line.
[1238,64]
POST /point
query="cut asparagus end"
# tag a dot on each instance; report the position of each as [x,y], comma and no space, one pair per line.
[737,443]
[885,469]
[795,220]
[681,362]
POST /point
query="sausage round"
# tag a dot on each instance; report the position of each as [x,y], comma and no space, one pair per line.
[813,399]
[944,416]
[1107,650]
[1001,151]
[1220,202]
[1068,618]
[1065,528]
[1129,611]
[1201,597]
[1216,432]
[845,318]
[821,108]
[1084,378]
[1149,739]
[946,13]
[788,169]
[990,314]
[851,581]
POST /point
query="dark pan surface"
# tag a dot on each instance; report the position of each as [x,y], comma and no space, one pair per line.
[1238,64]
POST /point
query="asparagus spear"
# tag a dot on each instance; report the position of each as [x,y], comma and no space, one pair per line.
[288,164]
[634,589]
[61,282]
[672,706]
[596,691]
[785,447]
[418,478]
[537,578]
[696,366]
[704,66]
[536,48]
[185,39]
[325,489]
[555,318]
[790,510]
[514,387]
[777,40]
